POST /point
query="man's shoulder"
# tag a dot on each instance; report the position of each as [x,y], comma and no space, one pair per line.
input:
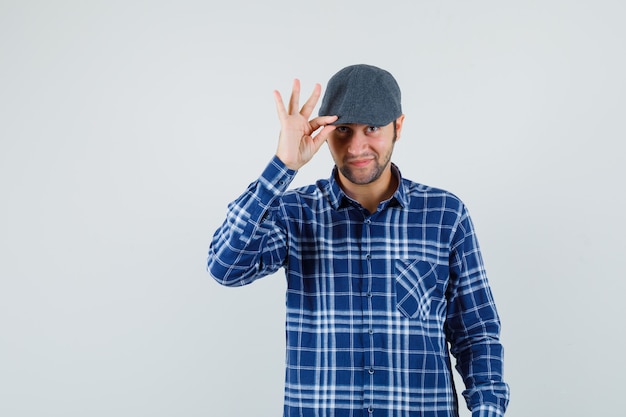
[306,193]
[423,194]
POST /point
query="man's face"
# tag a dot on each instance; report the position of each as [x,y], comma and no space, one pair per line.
[362,153]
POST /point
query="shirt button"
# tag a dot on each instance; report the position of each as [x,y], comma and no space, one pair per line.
[367,256]
[368,221]
[370,409]
[371,331]
[371,371]
[368,295]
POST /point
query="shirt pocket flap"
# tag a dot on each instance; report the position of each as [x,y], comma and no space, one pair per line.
[415,282]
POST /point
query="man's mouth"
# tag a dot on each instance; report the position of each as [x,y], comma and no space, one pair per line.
[360,162]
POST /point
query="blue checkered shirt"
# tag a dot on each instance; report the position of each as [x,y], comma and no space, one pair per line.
[375,302]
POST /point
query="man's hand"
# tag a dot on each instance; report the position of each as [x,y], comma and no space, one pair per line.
[296,145]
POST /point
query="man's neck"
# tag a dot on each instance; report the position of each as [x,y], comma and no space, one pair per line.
[372,194]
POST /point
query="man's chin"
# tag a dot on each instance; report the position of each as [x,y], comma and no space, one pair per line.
[360,178]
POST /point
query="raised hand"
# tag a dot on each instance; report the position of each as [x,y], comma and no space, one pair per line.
[296,145]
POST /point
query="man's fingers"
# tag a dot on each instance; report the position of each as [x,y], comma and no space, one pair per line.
[322,136]
[308,107]
[324,133]
[280,105]
[286,114]
[321,121]
[294,101]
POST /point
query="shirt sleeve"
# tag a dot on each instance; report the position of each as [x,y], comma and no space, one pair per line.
[251,243]
[473,326]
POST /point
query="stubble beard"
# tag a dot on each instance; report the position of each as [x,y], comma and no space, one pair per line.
[355,177]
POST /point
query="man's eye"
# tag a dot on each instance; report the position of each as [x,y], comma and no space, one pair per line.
[342,129]
[372,129]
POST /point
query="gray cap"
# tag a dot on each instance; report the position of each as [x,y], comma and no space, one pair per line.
[362,94]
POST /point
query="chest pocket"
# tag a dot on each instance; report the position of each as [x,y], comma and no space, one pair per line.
[416,285]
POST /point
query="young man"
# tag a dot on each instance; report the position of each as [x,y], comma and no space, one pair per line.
[384,276]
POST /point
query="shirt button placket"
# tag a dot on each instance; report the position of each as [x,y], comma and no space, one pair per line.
[369,315]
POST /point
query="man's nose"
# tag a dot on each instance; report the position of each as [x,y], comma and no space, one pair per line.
[358,142]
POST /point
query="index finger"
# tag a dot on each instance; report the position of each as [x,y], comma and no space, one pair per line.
[322,121]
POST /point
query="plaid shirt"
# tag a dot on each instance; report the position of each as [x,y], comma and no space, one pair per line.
[373,300]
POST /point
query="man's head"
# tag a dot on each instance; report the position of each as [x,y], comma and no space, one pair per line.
[366,100]
[362,94]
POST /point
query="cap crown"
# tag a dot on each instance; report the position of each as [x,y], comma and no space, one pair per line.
[362,94]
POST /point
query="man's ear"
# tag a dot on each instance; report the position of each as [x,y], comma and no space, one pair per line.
[399,122]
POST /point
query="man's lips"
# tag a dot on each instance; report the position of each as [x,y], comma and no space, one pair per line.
[360,162]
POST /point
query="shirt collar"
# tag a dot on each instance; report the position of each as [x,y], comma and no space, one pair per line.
[338,199]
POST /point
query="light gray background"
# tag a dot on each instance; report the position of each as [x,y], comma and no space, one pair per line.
[127,126]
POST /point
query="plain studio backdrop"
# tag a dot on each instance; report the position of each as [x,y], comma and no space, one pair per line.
[126,127]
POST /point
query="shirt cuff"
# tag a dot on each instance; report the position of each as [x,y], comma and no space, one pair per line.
[276,177]
[487,410]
